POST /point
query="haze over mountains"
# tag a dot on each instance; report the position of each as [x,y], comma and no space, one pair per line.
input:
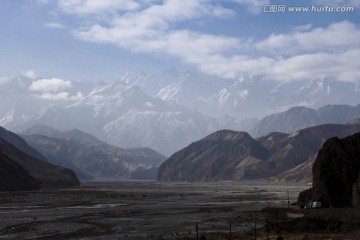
[91,158]
[302,117]
[164,111]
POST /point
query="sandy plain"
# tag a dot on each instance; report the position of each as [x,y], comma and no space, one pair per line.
[155,210]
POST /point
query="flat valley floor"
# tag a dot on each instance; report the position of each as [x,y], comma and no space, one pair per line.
[156,210]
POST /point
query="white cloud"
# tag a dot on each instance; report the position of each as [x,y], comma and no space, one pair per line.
[29,74]
[310,52]
[60,96]
[52,85]
[343,66]
[54,25]
[337,35]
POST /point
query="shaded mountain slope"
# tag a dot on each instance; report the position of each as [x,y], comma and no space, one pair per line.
[48,175]
[19,143]
[13,177]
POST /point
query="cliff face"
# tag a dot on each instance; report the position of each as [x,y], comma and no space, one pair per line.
[336,172]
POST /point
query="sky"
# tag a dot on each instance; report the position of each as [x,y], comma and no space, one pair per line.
[93,40]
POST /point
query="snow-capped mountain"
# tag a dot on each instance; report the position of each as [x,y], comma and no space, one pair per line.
[243,98]
[164,111]
[122,114]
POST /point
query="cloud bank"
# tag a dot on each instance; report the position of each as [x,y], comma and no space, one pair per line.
[53,89]
[50,85]
[148,27]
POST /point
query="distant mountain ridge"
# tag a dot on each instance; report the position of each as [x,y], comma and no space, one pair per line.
[302,117]
[231,155]
[90,157]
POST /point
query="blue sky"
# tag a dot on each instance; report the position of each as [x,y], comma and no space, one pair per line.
[100,40]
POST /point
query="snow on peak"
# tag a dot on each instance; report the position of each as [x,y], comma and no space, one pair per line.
[8,117]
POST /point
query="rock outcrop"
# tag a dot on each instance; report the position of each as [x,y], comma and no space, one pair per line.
[336,172]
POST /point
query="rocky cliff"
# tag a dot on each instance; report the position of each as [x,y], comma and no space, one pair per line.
[336,172]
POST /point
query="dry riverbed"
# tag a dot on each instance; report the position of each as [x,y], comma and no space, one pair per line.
[155,210]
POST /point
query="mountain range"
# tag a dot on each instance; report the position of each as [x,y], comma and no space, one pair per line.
[91,158]
[301,117]
[231,155]
[164,111]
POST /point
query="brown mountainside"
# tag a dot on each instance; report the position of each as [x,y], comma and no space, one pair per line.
[223,155]
[231,155]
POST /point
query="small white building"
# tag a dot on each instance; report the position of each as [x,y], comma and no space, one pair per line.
[316,204]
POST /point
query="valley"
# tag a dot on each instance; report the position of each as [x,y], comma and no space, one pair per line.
[170,210]
[142,210]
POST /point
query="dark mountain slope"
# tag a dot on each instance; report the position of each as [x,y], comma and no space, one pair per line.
[48,175]
[13,177]
[336,172]
[19,143]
